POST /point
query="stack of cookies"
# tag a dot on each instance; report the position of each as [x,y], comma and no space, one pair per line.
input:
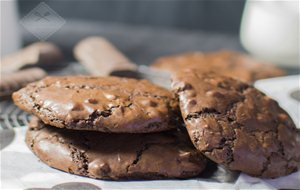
[108,128]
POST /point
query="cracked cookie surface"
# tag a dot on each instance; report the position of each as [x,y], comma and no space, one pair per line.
[229,63]
[108,104]
[236,125]
[115,156]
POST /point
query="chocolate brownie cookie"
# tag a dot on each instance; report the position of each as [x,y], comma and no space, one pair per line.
[236,125]
[40,54]
[14,81]
[228,63]
[108,104]
[116,156]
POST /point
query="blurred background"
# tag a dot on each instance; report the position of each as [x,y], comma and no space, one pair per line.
[145,29]
[211,16]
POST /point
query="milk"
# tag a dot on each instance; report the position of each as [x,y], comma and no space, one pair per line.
[10,28]
[270,31]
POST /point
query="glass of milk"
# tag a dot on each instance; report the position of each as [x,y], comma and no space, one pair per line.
[270,30]
[10,28]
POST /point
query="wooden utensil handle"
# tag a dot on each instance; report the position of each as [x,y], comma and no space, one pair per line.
[101,58]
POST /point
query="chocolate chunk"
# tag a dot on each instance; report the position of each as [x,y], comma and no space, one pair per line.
[40,54]
[108,104]
[116,156]
[14,81]
[228,63]
[236,125]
